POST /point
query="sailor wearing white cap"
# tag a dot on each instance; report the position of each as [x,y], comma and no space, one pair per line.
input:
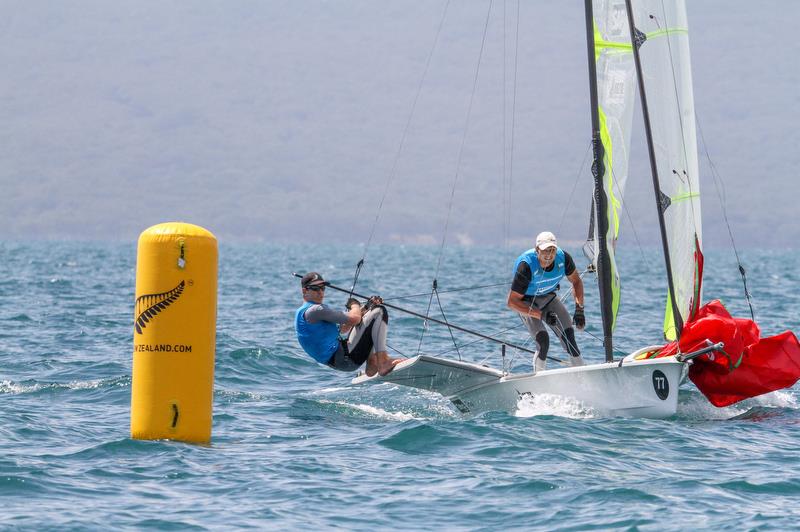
[533,294]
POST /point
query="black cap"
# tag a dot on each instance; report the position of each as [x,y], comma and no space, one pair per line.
[312,278]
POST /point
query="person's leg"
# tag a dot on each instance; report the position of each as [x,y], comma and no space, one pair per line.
[359,344]
[543,339]
[381,359]
[539,334]
[367,342]
[379,327]
[564,330]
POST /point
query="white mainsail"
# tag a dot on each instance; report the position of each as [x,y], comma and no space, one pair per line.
[667,78]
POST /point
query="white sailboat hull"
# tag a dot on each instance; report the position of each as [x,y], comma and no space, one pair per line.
[644,388]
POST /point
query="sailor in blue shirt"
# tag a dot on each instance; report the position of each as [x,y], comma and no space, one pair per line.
[533,294]
[319,327]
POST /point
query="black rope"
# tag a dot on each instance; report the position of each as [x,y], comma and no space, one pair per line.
[746,291]
[355,277]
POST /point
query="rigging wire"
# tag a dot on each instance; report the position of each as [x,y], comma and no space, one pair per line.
[504,193]
[393,171]
[721,196]
[457,346]
[396,350]
[513,131]
[600,341]
[458,167]
[574,187]
[425,322]
[501,331]
[463,141]
[463,289]
[449,329]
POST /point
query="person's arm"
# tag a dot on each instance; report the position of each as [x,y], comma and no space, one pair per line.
[578,318]
[516,302]
[317,313]
[354,313]
[577,286]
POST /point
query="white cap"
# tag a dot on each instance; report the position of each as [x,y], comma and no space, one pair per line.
[545,240]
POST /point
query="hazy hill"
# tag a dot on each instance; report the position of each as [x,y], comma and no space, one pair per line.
[281,120]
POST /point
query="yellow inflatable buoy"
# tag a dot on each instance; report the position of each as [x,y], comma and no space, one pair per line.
[174,333]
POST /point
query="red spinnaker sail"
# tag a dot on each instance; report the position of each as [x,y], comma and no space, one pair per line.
[754,365]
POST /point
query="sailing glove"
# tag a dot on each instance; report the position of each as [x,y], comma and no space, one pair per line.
[350,302]
[373,302]
[579,319]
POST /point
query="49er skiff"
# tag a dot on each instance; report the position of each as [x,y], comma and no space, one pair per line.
[644,44]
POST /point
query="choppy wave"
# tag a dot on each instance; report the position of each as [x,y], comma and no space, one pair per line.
[33,387]
[693,406]
[288,431]
[554,405]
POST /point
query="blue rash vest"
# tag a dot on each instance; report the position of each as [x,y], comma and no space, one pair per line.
[542,282]
[320,339]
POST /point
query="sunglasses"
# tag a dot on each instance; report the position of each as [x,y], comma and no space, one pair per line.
[316,287]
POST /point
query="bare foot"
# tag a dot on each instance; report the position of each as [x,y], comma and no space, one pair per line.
[387,368]
[372,368]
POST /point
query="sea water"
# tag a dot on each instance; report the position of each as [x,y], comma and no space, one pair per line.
[296,446]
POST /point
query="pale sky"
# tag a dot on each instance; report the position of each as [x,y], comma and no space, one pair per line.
[280,120]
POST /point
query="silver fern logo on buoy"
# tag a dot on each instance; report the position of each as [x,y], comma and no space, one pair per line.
[149,306]
[660,384]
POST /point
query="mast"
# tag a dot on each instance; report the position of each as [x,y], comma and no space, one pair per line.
[637,38]
[600,199]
